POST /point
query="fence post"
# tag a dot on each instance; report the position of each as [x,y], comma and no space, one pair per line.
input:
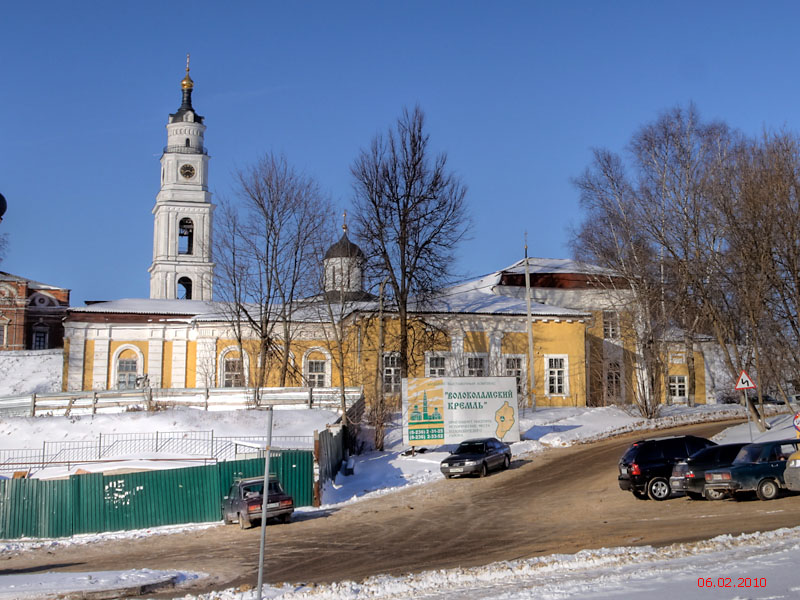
[310,397]
[156,442]
[99,446]
[33,405]
[94,402]
[206,405]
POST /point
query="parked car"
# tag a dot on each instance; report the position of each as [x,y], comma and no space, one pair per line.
[476,457]
[646,466]
[243,503]
[758,467]
[688,475]
[792,473]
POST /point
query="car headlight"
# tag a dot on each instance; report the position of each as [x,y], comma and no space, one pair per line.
[470,463]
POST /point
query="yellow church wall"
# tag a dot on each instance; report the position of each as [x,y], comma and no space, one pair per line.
[476,341]
[191,364]
[65,366]
[677,365]
[88,364]
[560,338]
[166,365]
[514,343]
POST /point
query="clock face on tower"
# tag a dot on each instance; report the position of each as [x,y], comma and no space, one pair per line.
[187,171]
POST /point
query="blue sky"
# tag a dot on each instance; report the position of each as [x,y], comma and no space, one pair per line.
[517,94]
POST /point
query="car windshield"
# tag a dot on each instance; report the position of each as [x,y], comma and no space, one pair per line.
[470,448]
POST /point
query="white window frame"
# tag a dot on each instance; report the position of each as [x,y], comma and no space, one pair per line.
[522,381]
[245,358]
[607,387]
[611,330]
[115,363]
[468,356]
[676,382]
[393,384]
[445,356]
[328,362]
[549,370]
[3,332]
[316,378]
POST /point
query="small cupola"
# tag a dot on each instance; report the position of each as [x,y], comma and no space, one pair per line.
[344,265]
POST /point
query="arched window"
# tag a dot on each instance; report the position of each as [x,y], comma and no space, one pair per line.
[317,368]
[185,236]
[232,368]
[187,142]
[184,288]
[127,370]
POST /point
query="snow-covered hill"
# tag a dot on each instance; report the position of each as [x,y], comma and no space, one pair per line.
[30,372]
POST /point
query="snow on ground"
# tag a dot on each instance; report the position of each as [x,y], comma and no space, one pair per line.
[763,563]
[29,372]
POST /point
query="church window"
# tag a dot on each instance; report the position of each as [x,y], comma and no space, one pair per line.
[476,366]
[391,373]
[514,369]
[186,237]
[187,142]
[40,337]
[232,372]
[613,381]
[184,288]
[315,373]
[436,366]
[3,328]
[610,325]
[556,375]
[126,374]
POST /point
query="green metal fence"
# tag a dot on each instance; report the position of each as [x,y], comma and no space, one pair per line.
[93,503]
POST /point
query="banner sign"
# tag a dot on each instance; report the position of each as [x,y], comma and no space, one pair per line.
[447,410]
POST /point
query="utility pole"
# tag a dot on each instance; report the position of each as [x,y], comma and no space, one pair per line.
[529,328]
[264,502]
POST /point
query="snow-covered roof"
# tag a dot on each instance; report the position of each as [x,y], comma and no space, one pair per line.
[34,285]
[557,265]
[481,296]
[149,306]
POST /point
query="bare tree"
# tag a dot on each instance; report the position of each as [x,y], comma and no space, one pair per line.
[409,217]
[267,259]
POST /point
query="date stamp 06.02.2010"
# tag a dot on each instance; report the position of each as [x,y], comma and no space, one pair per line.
[732,582]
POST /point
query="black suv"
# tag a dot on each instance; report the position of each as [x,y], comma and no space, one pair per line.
[646,466]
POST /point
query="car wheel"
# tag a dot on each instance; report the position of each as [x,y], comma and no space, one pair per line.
[639,495]
[225,519]
[448,476]
[767,490]
[287,518]
[714,494]
[244,521]
[483,470]
[658,488]
[506,462]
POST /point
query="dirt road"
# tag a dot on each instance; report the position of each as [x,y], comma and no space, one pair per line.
[560,502]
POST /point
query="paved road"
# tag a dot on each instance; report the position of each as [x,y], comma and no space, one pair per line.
[560,502]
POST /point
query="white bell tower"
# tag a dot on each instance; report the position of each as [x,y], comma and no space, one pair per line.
[182,266]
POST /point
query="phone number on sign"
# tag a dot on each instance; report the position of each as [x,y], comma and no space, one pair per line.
[732,582]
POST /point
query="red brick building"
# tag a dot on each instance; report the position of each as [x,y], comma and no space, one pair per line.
[31,314]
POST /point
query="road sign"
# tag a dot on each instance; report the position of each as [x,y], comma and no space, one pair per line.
[797,422]
[744,382]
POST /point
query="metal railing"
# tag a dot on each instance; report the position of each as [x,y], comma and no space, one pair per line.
[180,445]
[184,150]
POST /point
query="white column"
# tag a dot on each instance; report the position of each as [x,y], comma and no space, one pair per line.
[155,359]
[495,354]
[100,371]
[75,361]
[179,363]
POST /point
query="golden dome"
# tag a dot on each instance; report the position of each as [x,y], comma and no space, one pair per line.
[187,83]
